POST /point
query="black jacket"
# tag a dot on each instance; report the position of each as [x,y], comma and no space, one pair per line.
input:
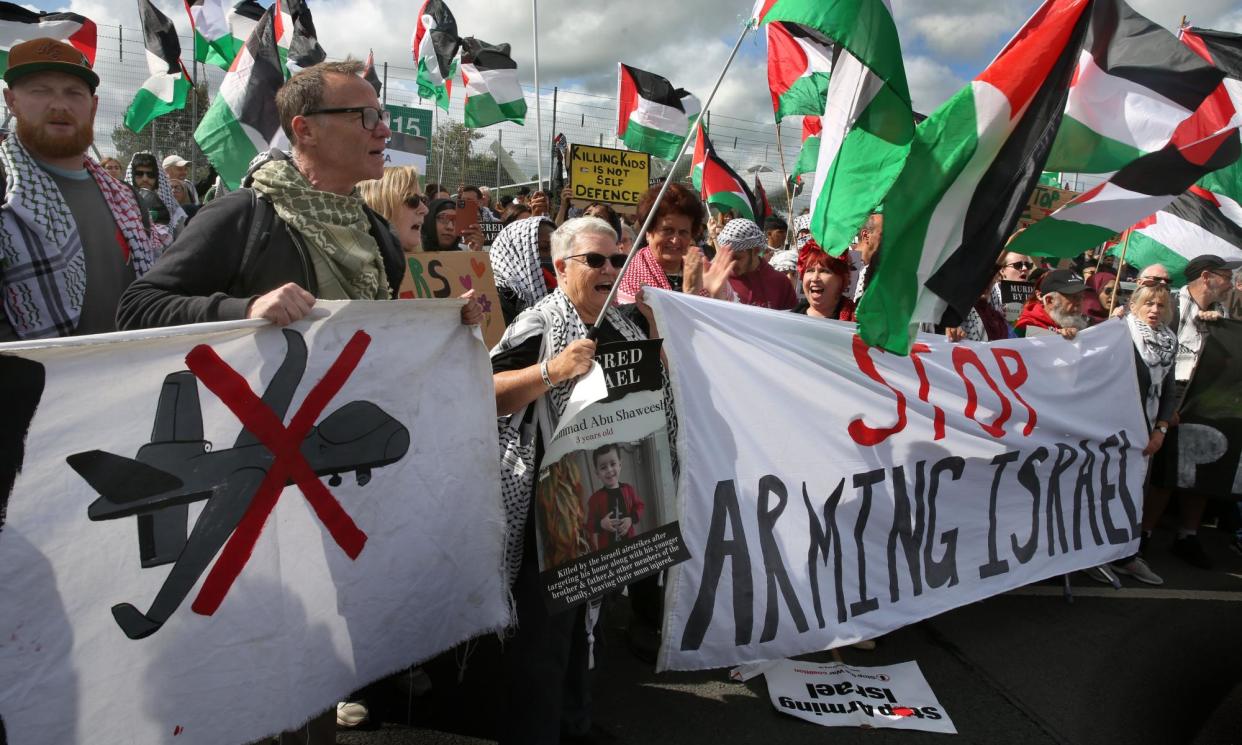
[199,278]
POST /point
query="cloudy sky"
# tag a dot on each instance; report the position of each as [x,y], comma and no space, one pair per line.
[945,42]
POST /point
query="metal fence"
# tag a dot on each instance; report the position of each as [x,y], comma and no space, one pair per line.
[583,117]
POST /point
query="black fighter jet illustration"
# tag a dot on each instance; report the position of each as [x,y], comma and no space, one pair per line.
[179,467]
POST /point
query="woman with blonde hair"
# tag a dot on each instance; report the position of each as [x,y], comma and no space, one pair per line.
[399,200]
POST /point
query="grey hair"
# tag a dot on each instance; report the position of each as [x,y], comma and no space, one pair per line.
[565,236]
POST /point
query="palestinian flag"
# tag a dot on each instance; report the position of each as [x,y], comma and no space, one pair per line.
[435,47]
[239,22]
[212,39]
[370,75]
[799,64]
[1142,188]
[1134,87]
[1224,51]
[1196,223]
[972,166]
[295,32]
[868,121]
[652,116]
[763,208]
[242,121]
[168,86]
[493,94]
[18,24]
[808,157]
[719,184]
[700,155]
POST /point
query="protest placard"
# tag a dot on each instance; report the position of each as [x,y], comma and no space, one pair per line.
[834,694]
[1044,201]
[604,174]
[1013,296]
[831,493]
[490,229]
[1204,452]
[180,565]
[604,508]
[441,274]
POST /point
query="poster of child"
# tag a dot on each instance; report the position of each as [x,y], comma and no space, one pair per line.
[614,511]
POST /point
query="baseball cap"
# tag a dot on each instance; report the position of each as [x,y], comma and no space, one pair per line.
[1208,263]
[1064,281]
[175,160]
[48,55]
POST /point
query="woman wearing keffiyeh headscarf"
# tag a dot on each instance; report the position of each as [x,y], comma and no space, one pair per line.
[522,264]
[144,173]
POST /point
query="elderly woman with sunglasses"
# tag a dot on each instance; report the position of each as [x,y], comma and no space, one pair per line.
[535,365]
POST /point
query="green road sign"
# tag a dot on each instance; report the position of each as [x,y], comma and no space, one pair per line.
[411,121]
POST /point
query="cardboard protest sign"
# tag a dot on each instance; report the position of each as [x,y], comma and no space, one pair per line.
[1013,296]
[443,274]
[604,174]
[837,695]
[1044,201]
[1207,445]
[831,493]
[604,507]
[181,565]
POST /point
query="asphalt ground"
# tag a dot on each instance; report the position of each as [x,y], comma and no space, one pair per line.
[1159,665]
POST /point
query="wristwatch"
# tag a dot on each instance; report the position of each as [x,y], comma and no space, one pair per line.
[1162,428]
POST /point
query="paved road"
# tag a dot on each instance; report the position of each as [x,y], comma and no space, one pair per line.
[1143,665]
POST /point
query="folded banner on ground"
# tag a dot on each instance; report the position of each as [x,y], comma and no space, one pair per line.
[182,565]
[915,485]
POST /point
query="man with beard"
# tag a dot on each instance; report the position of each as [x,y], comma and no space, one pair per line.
[753,279]
[72,237]
[1059,310]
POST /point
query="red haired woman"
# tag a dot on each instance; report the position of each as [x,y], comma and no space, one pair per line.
[824,279]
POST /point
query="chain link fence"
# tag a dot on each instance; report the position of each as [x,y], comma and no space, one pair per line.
[503,154]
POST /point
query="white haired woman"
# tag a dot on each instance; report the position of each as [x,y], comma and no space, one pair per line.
[535,365]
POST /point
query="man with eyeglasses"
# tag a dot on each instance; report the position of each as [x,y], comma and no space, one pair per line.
[1209,280]
[71,236]
[323,241]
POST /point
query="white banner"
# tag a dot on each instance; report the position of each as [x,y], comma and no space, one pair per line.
[830,492]
[834,694]
[216,532]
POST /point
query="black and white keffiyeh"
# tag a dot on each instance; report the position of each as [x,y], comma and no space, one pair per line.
[176,214]
[1157,347]
[515,260]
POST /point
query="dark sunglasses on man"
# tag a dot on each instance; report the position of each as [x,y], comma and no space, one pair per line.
[597,260]
[371,116]
[143,173]
[1151,281]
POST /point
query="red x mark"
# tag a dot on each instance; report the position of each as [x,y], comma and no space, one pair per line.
[284,443]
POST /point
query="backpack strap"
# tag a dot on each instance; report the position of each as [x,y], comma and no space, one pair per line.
[259,233]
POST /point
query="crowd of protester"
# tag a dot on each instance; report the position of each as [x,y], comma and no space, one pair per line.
[327,220]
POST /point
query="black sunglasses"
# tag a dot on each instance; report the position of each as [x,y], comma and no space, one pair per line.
[414,200]
[597,260]
[148,174]
[1021,265]
[1154,280]
[371,116]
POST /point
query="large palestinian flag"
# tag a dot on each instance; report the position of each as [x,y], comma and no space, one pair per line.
[212,39]
[493,94]
[242,121]
[166,90]
[719,184]
[18,24]
[239,23]
[799,65]
[652,116]
[1134,88]
[1196,223]
[868,121]
[435,47]
[296,28]
[972,165]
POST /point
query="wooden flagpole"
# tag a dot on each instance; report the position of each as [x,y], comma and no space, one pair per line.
[780,150]
[1125,245]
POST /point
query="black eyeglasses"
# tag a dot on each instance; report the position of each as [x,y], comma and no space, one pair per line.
[147,174]
[371,116]
[597,260]
[1020,265]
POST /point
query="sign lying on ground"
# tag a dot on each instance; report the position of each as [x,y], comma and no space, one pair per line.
[182,565]
[604,174]
[854,492]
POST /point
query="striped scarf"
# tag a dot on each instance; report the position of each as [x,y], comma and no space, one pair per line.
[43,281]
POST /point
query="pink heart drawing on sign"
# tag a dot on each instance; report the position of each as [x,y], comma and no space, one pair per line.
[478,267]
[466,281]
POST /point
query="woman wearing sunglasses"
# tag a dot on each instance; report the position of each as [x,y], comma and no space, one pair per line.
[397,198]
[670,259]
[535,365]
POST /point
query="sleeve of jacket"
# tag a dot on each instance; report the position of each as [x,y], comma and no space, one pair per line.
[189,282]
[1168,397]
